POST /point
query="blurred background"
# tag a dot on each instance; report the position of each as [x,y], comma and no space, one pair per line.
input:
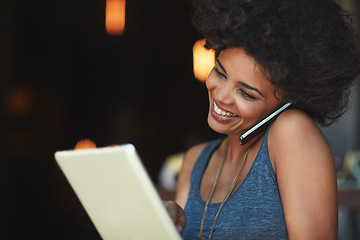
[63,78]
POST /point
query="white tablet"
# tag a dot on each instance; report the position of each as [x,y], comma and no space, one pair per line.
[117,193]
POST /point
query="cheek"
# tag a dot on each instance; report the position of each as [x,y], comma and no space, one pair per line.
[210,81]
[249,109]
[207,84]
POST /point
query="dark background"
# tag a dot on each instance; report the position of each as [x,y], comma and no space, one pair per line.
[62,79]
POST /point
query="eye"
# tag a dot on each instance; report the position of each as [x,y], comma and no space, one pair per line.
[246,95]
[220,74]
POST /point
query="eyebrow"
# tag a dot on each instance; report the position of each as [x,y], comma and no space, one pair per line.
[242,83]
[220,65]
[251,88]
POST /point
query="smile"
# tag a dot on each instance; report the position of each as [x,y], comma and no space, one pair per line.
[222,112]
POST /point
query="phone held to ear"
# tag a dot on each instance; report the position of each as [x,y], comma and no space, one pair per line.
[262,125]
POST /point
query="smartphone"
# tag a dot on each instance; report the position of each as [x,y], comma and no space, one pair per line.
[262,125]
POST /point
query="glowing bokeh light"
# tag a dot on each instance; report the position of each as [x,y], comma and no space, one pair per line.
[85,144]
[19,101]
[203,60]
[115,17]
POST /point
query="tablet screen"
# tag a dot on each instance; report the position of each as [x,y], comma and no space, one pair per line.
[117,193]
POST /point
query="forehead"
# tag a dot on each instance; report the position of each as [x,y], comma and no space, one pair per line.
[242,68]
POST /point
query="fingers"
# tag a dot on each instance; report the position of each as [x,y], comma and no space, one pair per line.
[181,222]
[177,214]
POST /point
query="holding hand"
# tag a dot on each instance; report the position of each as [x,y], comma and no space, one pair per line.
[177,214]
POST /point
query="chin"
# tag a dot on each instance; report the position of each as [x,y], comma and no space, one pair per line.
[217,127]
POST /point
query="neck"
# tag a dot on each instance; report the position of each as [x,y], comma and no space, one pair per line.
[235,151]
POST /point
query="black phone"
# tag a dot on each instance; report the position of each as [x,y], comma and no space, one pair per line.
[262,125]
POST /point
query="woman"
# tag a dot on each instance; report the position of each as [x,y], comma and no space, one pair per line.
[282,183]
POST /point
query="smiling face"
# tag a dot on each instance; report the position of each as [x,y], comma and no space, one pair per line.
[240,96]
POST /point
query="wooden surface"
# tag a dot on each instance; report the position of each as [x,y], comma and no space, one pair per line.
[165,194]
[349,196]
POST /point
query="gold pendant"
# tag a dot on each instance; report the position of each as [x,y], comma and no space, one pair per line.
[202,238]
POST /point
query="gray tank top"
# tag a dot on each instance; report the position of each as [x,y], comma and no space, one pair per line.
[254,211]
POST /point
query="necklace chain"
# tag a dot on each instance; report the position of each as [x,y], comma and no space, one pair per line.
[227,195]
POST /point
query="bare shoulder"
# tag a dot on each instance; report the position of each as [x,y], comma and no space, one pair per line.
[294,122]
[193,153]
[189,161]
[306,175]
[295,132]
[191,156]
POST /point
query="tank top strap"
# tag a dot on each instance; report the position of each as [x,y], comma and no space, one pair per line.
[262,161]
[201,164]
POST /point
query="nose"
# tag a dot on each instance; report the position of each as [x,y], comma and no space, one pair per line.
[224,93]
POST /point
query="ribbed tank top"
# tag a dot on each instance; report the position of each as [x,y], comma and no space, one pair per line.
[254,211]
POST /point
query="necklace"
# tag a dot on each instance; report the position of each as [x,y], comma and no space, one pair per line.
[227,195]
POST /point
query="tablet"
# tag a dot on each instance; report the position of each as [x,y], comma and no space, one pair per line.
[117,193]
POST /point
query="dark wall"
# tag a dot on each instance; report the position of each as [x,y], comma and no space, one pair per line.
[64,79]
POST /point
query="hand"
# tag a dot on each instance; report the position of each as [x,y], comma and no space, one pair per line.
[177,214]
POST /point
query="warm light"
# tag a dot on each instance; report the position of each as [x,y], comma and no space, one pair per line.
[115,17]
[85,144]
[204,60]
[19,101]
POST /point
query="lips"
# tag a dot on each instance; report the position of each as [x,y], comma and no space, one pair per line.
[222,112]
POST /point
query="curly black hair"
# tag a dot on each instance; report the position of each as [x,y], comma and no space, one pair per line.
[308,49]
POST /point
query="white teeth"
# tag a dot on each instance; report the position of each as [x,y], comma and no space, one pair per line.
[222,113]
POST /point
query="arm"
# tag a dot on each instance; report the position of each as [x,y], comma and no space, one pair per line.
[305,169]
[175,208]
